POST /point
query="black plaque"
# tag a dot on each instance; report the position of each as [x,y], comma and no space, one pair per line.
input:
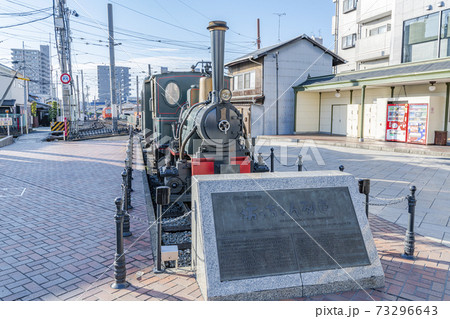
[286,231]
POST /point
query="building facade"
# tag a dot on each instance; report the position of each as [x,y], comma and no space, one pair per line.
[395,85]
[377,33]
[35,64]
[262,81]
[123,83]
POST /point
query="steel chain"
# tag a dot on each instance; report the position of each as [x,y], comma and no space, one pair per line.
[295,164]
[389,201]
[175,219]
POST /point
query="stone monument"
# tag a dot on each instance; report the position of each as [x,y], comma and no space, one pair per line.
[281,235]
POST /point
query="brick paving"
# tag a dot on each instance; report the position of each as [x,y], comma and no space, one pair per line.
[57,241]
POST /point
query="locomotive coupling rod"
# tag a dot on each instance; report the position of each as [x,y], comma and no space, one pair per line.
[120,271]
[162,198]
[409,237]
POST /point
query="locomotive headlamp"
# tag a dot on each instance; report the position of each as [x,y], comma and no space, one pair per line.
[225,95]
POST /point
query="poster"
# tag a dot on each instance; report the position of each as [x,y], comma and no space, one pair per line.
[417,123]
[396,122]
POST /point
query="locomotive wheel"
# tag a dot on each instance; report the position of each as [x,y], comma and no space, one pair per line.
[175,184]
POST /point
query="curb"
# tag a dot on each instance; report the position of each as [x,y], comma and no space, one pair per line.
[360,146]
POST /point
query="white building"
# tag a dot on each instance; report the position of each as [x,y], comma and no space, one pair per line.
[263,79]
[395,85]
[376,33]
[14,98]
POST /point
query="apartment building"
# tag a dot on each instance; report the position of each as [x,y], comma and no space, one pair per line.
[35,64]
[377,33]
[123,83]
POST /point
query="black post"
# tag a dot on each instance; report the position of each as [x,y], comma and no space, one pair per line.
[300,163]
[409,238]
[341,168]
[120,271]
[364,188]
[126,215]
[162,198]
[272,157]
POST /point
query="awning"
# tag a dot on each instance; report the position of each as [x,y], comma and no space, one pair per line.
[9,102]
[392,75]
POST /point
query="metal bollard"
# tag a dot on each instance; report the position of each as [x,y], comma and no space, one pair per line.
[120,271]
[409,237]
[300,163]
[364,188]
[341,168]
[272,157]
[162,198]
[126,215]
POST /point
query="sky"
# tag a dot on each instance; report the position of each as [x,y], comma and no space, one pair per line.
[169,33]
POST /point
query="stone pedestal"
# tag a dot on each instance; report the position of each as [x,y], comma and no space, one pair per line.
[280,235]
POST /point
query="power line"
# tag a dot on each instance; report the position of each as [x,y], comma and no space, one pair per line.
[23,23]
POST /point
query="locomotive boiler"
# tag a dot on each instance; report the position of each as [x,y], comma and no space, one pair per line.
[197,134]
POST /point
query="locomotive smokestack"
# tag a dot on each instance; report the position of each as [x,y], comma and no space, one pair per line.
[217,29]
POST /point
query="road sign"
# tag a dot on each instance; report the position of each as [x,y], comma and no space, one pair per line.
[4,121]
[65,78]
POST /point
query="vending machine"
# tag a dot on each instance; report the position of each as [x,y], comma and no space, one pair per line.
[397,122]
[417,123]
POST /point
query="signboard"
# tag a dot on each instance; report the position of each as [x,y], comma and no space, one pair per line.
[65,78]
[396,122]
[417,123]
[4,121]
[314,229]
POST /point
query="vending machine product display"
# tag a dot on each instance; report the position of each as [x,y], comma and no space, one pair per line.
[396,122]
[417,123]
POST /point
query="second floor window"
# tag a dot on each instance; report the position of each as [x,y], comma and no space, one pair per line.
[244,81]
[349,41]
[349,5]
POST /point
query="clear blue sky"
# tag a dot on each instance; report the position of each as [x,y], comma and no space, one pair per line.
[178,41]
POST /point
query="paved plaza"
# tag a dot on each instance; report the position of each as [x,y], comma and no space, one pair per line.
[57,239]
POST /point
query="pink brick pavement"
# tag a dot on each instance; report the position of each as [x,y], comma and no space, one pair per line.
[57,240]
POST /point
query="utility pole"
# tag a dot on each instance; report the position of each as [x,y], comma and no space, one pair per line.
[78,100]
[279,23]
[258,39]
[82,94]
[112,73]
[25,94]
[62,34]
[137,102]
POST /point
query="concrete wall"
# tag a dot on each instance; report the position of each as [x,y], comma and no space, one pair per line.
[6,141]
[296,61]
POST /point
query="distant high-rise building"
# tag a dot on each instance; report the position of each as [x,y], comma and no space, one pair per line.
[123,83]
[35,64]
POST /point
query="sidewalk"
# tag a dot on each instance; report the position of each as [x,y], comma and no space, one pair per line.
[58,236]
[344,141]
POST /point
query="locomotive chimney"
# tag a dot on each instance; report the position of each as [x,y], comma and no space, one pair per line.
[217,29]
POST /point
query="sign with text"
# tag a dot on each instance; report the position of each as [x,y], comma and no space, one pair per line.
[286,231]
[4,121]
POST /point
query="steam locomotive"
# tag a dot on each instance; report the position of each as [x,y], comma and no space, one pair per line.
[190,125]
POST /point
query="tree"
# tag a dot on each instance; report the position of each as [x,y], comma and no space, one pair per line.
[34,108]
[53,111]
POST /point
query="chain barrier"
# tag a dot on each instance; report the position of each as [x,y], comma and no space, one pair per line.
[165,222]
[388,201]
[295,164]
